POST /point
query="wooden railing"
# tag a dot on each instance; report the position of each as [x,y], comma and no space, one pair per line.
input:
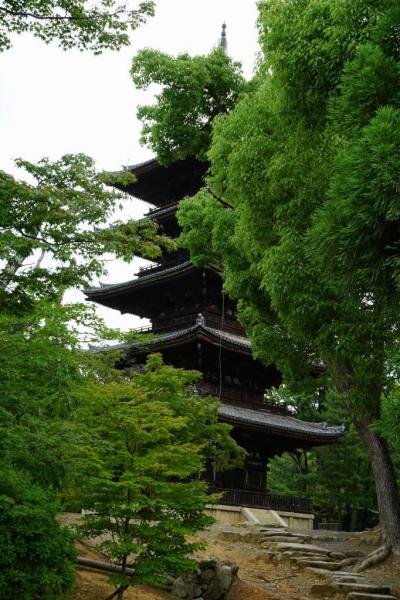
[188,319]
[237,395]
[263,500]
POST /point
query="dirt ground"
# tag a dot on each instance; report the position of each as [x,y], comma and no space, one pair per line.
[259,577]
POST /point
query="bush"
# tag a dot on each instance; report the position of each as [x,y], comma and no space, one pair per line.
[37,555]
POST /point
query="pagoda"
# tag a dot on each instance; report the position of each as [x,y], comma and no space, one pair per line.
[194,326]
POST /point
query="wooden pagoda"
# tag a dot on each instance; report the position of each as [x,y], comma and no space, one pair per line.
[195,327]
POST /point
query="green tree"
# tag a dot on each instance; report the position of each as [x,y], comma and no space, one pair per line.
[73,23]
[308,163]
[194,90]
[54,232]
[148,437]
[37,556]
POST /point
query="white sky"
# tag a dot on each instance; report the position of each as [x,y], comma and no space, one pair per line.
[54,102]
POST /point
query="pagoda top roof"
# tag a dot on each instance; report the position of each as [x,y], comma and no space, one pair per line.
[110,289]
[159,185]
[267,420]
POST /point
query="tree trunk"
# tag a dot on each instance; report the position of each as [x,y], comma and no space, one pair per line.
[120,595]
[387,491]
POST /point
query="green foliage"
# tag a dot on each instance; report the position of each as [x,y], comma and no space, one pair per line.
[326,474]
[148,437]
[315,220]
[194,91]
[73,23]
[53,233]
[37,555]
[40,370]
[308,162]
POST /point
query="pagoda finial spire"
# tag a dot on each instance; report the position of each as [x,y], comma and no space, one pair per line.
[223,42]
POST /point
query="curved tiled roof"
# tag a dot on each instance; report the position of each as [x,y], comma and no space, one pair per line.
[276,422]
[139,281]
[144,280]
[198,329]
[158,212]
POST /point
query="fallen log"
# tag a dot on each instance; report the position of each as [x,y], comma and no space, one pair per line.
[99,565]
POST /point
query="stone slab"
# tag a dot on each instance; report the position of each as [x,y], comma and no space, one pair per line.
[351,573]
[318,564]
[364,587]
[366,596]
[281,538]
[303,547]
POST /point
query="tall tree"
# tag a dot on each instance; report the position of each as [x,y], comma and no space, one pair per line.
[308,164]
[95,26]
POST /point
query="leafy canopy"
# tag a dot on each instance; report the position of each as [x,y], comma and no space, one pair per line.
[95,26]
[308,164]
[148,437]
[193,91]
[54,232]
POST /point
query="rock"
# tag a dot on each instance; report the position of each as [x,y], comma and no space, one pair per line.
[179,588]
[211,581]
[207,575]
[219,585]
[207,563]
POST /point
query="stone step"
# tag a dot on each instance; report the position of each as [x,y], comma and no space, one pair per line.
[366,596]
[337,555]
[318,564]
[336,574]
[321,590]
[348,579]
[320,572]
[281,538]
[350,573]
[306,556]
[370,588]
[285,534]
[323,538]
[282,546]
[293,555]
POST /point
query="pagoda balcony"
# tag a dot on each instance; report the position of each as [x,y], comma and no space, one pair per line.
[236,395]
[234,497]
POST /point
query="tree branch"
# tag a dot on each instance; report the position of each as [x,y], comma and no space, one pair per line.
[39,17]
